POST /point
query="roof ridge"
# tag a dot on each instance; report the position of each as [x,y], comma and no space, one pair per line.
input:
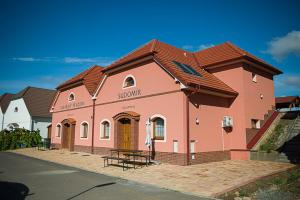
[236,49]
[132,51]
[88,71]
[155,41]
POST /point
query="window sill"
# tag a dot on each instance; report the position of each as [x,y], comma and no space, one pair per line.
[105,138]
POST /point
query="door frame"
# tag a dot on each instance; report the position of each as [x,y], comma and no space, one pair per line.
[134,129]
[68,143]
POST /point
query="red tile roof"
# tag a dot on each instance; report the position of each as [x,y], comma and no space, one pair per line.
[228,52]
[199,61]
[90,78]
[165,54]
[287,99]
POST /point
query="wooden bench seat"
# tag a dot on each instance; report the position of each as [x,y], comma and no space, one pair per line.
[111,158]
[135,161]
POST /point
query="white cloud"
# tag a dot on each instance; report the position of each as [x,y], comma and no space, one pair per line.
[25,59]
[94,60]
[47,81]
[197,47]
[287,84]
[32,59]
[205,46]
[280,47]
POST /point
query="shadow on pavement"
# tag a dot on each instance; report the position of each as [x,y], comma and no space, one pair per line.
[11,190]
[97,186]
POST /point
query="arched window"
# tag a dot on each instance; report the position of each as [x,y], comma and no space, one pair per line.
[159,128]
[58,130]
[72,97]
[84,129]
[105,129]
[16,109]
[12,126]
[129,81]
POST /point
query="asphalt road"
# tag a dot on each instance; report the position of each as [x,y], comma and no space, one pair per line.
[24,177]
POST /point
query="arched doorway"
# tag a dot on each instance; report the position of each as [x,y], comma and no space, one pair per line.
[68,134]
[126,129]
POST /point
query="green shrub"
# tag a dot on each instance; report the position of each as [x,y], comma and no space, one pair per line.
[18,138]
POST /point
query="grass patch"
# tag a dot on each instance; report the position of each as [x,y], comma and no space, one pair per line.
[270,143]
[285,185]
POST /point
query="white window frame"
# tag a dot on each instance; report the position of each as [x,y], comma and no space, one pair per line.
[257,123]
[56,132]
[165,127]
[81,130]
[102,129]
[71,93]
[124,81]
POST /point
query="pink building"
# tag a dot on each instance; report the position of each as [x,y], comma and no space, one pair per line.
[204,106]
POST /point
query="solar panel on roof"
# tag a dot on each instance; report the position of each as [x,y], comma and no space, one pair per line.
[186,68]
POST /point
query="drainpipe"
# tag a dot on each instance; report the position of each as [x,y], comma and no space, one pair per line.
[187,130]
[93,125]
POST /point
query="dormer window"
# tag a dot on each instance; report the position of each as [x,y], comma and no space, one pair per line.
[72,97]
[129,81]
[16,109]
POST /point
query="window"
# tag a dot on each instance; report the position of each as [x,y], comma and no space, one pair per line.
[58,130]
[254,77]
[187,69]
[84,130]
[16,109]
[72,97]
[255,123]
[158,128]
[105,129]
[129,81]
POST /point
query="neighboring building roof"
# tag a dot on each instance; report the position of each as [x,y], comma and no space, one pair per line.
[37,100]
[287,99]
[228,52]
[4,101]
[90,78]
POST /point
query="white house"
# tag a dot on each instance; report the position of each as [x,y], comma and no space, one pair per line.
[29,109]
[4,101]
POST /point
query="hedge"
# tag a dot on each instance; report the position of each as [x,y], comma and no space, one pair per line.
[19,138]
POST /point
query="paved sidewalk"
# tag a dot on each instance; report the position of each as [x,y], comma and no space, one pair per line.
[209,179]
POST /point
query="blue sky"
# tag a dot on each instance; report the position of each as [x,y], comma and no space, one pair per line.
[43,43]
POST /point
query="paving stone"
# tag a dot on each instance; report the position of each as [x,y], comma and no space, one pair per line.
[206,179]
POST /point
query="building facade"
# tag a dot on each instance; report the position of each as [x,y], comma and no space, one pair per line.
[200,105]
[29,109]
[4,102]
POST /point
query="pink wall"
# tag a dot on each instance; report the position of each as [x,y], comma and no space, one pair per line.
[256,107]
[147,107]
[78,111]
[151,80]
[159,94]
[232,76]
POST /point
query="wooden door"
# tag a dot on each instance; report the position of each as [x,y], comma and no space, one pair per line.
[126,133]
[66,136]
